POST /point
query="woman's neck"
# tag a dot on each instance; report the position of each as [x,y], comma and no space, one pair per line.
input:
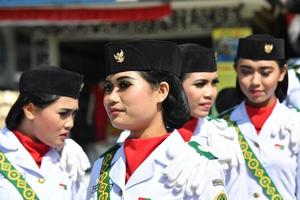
[266,103]
[148,133]
[155,129]
[24,128]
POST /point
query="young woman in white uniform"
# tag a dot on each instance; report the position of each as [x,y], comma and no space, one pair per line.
[142,90]
[268,130]
[36,129]
[199,79]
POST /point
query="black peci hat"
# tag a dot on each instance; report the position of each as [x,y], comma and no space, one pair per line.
[51,80]
[42,80]
[142,55]
[261,47]
[197,58]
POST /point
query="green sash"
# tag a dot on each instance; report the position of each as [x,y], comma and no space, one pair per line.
[13,176]
[103,180]
[254,165]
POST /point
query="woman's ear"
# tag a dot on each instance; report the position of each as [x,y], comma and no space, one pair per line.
[162,91]
[283,72]
[29,111]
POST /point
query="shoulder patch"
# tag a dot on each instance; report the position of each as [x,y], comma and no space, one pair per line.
[195,145]
[217,182]
[221,196]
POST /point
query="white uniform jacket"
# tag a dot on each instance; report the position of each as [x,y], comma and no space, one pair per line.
[48,182]
[293,94]
[147,181]
[223,142]
[276,147]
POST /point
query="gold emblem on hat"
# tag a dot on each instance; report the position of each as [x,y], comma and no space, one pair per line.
[119,56]
[268,48]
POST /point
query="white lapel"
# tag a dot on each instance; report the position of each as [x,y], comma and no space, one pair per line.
[240,116]
[117,172]
[51,158]
[143,173]
[155,160]
[273,119]
[16,152]
[201,132]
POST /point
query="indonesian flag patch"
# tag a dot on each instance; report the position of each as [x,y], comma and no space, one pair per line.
[279,146]
[63,186]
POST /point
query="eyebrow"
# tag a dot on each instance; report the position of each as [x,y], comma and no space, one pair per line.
[205,79]
[119,79]
[245,66]
[248,66]
[67,109]
[201,79]
[125,77]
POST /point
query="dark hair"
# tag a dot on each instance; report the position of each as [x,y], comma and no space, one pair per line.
[175,107]
[281,89]
[183,76]
[226,99]
[16,114]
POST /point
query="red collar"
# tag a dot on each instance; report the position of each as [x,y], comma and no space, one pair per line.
[259,115]
[36,149]
[187,130]
[137,150]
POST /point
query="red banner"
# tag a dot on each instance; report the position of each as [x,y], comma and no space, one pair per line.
[57,15]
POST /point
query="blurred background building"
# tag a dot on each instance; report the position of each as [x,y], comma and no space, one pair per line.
[71,34]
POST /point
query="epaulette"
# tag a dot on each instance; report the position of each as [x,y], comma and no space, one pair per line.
[195,145]
[114,148]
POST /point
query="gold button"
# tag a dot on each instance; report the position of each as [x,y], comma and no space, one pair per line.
[41,180]
[256,195]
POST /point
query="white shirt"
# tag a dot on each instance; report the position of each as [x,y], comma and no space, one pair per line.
[147,181]
[274,149]
[48,182]
[224,144]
